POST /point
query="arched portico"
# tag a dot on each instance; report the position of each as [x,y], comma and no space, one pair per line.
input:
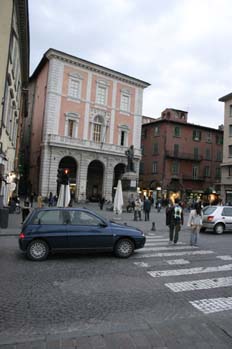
[70,164]
[95,176]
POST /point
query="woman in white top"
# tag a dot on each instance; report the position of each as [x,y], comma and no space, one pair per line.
[195,222]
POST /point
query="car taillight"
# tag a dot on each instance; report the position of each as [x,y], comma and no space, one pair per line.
[21,236]
[210,218]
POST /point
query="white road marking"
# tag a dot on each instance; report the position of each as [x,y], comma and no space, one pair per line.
[154,243]
[178,261]
[169,248]
[213,305]
[142,264]
[190,271]
[154,240]
[171,254]
[225,258]
[152,236]
[204,284]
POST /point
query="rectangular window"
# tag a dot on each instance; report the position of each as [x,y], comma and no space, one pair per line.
[156,149]
[230,130]
[70,128]
[230,110]
[230,171]
[175,168]
[219,155]
[196,135]
[219,139]
[230,151]
[196,154]
[218,172]
[154,167]
[195,172]
[176,149]
[125,99]
[74,89]
[101,95]
[156,131]
[122,139]
[207,171]
[142,149]
[208,137]
[141,168]
[207,154]
[144,133]
[177,131]
[97,133]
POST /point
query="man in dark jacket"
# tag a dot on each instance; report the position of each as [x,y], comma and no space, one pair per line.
[147,208]
[170,221]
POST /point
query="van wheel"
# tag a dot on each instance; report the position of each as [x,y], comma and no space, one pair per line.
[124,248]
[37,250]
[219,228]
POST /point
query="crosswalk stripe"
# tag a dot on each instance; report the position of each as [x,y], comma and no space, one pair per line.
[157,240]
[154,236]
[160,243]
[190,271]
[170,254]
[142,264]
[168,248]
[177,261]
[225,258]
[213,305]
[204,284]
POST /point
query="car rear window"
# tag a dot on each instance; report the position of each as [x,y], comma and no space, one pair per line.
[209,210]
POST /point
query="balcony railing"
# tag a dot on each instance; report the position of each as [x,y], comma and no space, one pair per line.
[183,156]
[192,178]
[81,144]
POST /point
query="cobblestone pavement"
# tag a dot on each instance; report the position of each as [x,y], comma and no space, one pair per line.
[99,301]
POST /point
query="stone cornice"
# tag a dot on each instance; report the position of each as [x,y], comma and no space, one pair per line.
[51,53]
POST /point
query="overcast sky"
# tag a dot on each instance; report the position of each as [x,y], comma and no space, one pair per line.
[181,47]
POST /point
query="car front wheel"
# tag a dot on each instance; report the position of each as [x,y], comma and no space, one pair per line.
[37,250]
[219,228]
[124,248]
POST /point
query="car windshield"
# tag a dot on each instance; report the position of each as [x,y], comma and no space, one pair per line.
[209,210]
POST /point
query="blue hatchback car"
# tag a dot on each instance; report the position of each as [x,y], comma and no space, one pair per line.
[49,230]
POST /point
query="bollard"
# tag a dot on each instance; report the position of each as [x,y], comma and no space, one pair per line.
[153,226]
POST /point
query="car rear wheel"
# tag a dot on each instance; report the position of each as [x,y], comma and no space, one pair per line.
[37,250]
[219,228]
[124,248]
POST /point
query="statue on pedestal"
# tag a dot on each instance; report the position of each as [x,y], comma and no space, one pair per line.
[130,158]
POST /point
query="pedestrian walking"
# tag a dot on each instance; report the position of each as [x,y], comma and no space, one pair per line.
[50,199]
[147,208]
[138,209]
[101,202]
[39,201]
[25,209]
[178,220]
[195,223]
[170,221]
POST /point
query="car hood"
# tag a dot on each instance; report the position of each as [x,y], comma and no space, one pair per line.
[128,227]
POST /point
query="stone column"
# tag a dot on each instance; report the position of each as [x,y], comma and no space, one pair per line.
[108,180]
[82,178]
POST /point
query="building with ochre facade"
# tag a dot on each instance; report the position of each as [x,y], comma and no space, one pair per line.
[83,117]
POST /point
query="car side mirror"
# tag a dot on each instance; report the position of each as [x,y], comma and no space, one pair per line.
[102,224]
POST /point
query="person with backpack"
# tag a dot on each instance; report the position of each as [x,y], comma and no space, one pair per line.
[195,223]
[178,220]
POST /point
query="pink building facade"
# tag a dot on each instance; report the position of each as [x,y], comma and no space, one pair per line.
[83,117]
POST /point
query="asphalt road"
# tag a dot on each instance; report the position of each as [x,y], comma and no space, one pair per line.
[163,296]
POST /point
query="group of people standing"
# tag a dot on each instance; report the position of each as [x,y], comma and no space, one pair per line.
[175,218]
[137,206]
